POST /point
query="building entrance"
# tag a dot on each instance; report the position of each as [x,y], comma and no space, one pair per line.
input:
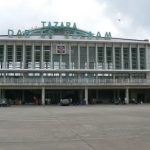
[53,97]
[23,97]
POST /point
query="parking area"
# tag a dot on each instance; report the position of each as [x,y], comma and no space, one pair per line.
[98,127]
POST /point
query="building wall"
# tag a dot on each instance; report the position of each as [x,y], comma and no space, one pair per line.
[77,56]
[147,57]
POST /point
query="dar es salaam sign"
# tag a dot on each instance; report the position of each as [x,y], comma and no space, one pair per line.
[48,30]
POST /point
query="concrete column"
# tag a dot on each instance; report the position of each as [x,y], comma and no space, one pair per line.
[60,62]
[96,57]
[105,57]
[114,65]
[126,96]
[43,96]
[147,57]
[86,95]
[5,49]
[23,56]
[33,52]
[42,56]
[130,57]
[87,51]
[122,58]
[14,55]
[138,55]
[51,56]
[78,56]
[70,64]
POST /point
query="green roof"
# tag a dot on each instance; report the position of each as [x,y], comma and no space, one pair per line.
[59,31]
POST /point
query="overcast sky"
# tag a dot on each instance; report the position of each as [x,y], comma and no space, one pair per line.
[123,18]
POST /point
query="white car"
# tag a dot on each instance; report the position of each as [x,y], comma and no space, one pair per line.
[65,102]
[4,102]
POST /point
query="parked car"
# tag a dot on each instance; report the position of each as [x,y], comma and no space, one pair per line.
[133,101]
[4,102]
[65,102]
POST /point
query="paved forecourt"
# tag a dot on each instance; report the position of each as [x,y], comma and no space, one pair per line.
[103,127]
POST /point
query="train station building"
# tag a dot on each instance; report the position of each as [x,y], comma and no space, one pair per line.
[59,60]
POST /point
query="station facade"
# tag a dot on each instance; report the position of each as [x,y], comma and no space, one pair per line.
[44,65]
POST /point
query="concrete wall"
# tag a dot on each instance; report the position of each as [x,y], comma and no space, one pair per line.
[147,57]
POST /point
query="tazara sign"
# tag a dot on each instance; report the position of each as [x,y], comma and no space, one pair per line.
[48,29]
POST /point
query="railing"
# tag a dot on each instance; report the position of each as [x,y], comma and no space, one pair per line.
[71,81]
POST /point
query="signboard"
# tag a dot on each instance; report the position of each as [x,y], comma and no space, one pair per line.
[60,49]
[69,30]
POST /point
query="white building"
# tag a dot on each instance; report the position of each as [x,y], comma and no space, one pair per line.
[56,62]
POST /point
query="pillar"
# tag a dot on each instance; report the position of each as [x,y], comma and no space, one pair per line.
[130,57]
[70,64]
[113,57]
[122,58]
[42,56]
[78,56]
[138,55]
[96,57]
[52,56]
[86,95]
[146,57]
[5,49]
[43,96]
[14,56]
[87,51]
[23,56]
[126,96]
[60,62]
[33,63]
[105,57]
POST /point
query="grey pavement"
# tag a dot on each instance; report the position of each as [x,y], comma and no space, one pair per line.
[98,127]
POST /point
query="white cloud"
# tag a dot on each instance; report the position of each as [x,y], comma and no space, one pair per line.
[90,15]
